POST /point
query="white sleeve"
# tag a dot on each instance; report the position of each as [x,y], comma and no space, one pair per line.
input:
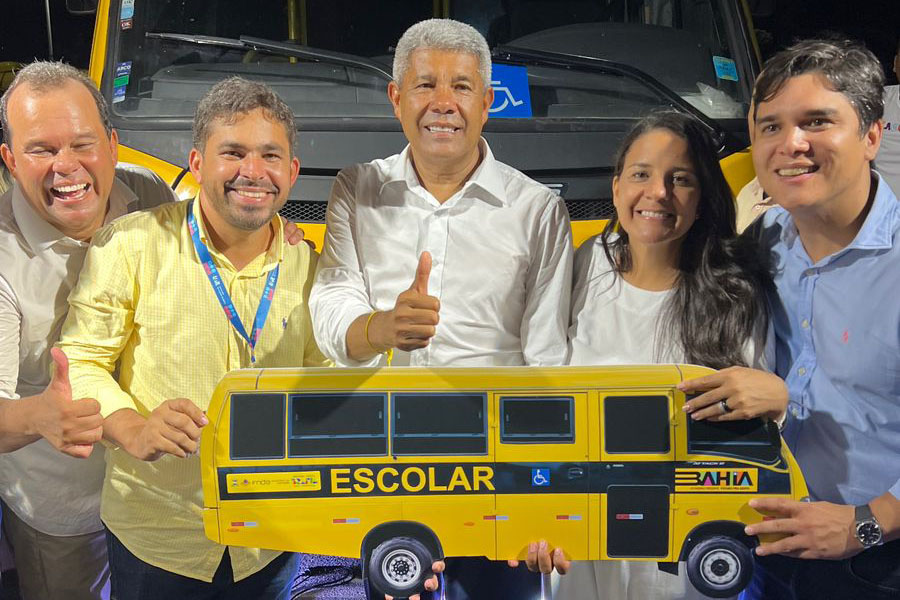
[548,289]
[10,326]
[339,295]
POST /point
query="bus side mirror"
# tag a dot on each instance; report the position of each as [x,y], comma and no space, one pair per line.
[81,7]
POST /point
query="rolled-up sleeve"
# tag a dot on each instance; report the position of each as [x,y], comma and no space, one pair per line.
[100,322]
[339,295]
[549,289]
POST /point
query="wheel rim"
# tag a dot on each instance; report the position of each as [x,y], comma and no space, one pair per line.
[401,568]
[720,567]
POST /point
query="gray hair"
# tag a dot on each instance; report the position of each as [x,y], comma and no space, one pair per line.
[443,34]
[847,67]
[236,96]
[45,76]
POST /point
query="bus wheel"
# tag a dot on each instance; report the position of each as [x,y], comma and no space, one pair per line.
[720,566]
[399,566]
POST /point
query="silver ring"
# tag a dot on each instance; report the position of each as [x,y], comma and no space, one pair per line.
[723,404]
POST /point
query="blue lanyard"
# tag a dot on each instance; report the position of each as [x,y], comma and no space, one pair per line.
[265,303]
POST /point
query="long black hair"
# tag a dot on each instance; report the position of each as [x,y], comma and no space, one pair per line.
[718,302]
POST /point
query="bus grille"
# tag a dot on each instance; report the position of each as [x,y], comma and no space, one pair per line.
[313,211]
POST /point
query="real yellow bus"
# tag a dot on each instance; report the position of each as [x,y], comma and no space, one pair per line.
[405,465]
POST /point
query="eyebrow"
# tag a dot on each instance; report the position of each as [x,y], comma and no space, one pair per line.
[645,165]
[232,145]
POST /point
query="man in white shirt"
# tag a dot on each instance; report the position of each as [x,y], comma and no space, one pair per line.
[61,151]
[441,252]
[887,162]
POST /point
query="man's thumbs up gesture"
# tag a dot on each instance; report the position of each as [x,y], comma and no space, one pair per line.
[71,426]
[411,323]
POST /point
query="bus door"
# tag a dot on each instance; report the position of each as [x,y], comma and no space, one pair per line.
[443,459]
[635,477]
[542,471]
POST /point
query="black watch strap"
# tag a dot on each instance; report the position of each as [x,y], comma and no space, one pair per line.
[864,513]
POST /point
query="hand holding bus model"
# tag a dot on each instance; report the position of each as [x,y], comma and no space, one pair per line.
[173,427]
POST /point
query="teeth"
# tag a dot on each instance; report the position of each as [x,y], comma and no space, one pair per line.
[65,189]
[795,171]
[435,128]
[252,194]
[654,213]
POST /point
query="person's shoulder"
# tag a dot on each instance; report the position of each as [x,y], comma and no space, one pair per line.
[149,187]
[891,96]
[7,217]
[520,187]
[591,258]
[146,224]
[768,228]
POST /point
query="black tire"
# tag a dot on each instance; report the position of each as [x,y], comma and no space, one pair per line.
[720,566]
[399,567]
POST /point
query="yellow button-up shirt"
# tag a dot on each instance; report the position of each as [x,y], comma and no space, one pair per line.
[144,304]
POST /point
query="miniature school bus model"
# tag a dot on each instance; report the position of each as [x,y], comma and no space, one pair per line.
[402,466]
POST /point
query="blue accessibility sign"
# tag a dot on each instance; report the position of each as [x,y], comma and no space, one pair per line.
[512,100]
[540,477]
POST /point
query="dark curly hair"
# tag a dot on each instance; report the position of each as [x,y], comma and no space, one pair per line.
[719,298]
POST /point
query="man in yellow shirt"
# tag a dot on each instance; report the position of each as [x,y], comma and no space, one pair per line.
[174,298]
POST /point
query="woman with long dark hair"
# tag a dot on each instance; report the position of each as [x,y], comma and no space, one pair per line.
[668,280]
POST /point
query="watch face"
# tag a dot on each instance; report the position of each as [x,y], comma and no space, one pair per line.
[868,533]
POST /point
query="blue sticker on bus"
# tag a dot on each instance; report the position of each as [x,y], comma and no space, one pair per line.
[512,100]
[119,94]
[540,477]
[725,68]
[123,69]
[127,9]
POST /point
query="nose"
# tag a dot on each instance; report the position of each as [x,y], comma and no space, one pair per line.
[795,141]
[657,187]
[253,167]
[65,162]
[443,100]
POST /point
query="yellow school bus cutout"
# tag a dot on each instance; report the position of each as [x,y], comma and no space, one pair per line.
[403,466]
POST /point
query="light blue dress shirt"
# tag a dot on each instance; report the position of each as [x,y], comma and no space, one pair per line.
[837,334]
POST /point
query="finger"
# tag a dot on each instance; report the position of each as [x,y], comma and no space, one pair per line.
[181,423]
[778,506]
[545,563]
[512,563]
[78,450]
[531,560]
[782,526]
[84,407]
[423,272]
[60,378]
[703,400]
[431,583]
[88,437]
[419,311]
[560,562]
[789,545]
[438,566]
[293,234]
[183,405]
[707,382]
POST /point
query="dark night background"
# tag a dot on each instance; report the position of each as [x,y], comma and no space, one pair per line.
[23,32]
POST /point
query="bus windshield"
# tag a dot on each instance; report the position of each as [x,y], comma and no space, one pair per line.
[168,53]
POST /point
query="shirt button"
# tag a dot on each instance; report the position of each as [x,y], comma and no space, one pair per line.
[805,324]
[801,371]
[795,411]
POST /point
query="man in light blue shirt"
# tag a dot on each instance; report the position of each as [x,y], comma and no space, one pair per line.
[835,245]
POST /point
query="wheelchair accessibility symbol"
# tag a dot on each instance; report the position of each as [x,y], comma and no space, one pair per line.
[512,98]
[502,92]
[540,477]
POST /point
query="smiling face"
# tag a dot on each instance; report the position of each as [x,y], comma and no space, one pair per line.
[245,170]
[442,104]
[657,194]
[807,149]
[61,156]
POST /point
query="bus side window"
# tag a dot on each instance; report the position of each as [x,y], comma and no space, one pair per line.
[536,419]
[257,426]
[339,424]
[428,423]
[637,424]
[752,439]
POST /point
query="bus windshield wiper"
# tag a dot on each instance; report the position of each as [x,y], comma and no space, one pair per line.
[602,65]
[290,49]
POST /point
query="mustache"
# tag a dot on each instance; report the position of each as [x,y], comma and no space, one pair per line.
[261,184]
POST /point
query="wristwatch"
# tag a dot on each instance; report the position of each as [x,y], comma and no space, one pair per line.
[868,530]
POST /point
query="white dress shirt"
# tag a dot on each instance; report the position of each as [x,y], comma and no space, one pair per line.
[501,252]
[887,162]
[52,492]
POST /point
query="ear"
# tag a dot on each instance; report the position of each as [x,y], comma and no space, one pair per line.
[393,92]
[195,164]
[295,169]
[7,154]
[114,146]
[873,139]
[615,187]
[488,101]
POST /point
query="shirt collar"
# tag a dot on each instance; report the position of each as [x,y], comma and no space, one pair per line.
[876,232]
[486,176]
[41,235]
[274,255]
